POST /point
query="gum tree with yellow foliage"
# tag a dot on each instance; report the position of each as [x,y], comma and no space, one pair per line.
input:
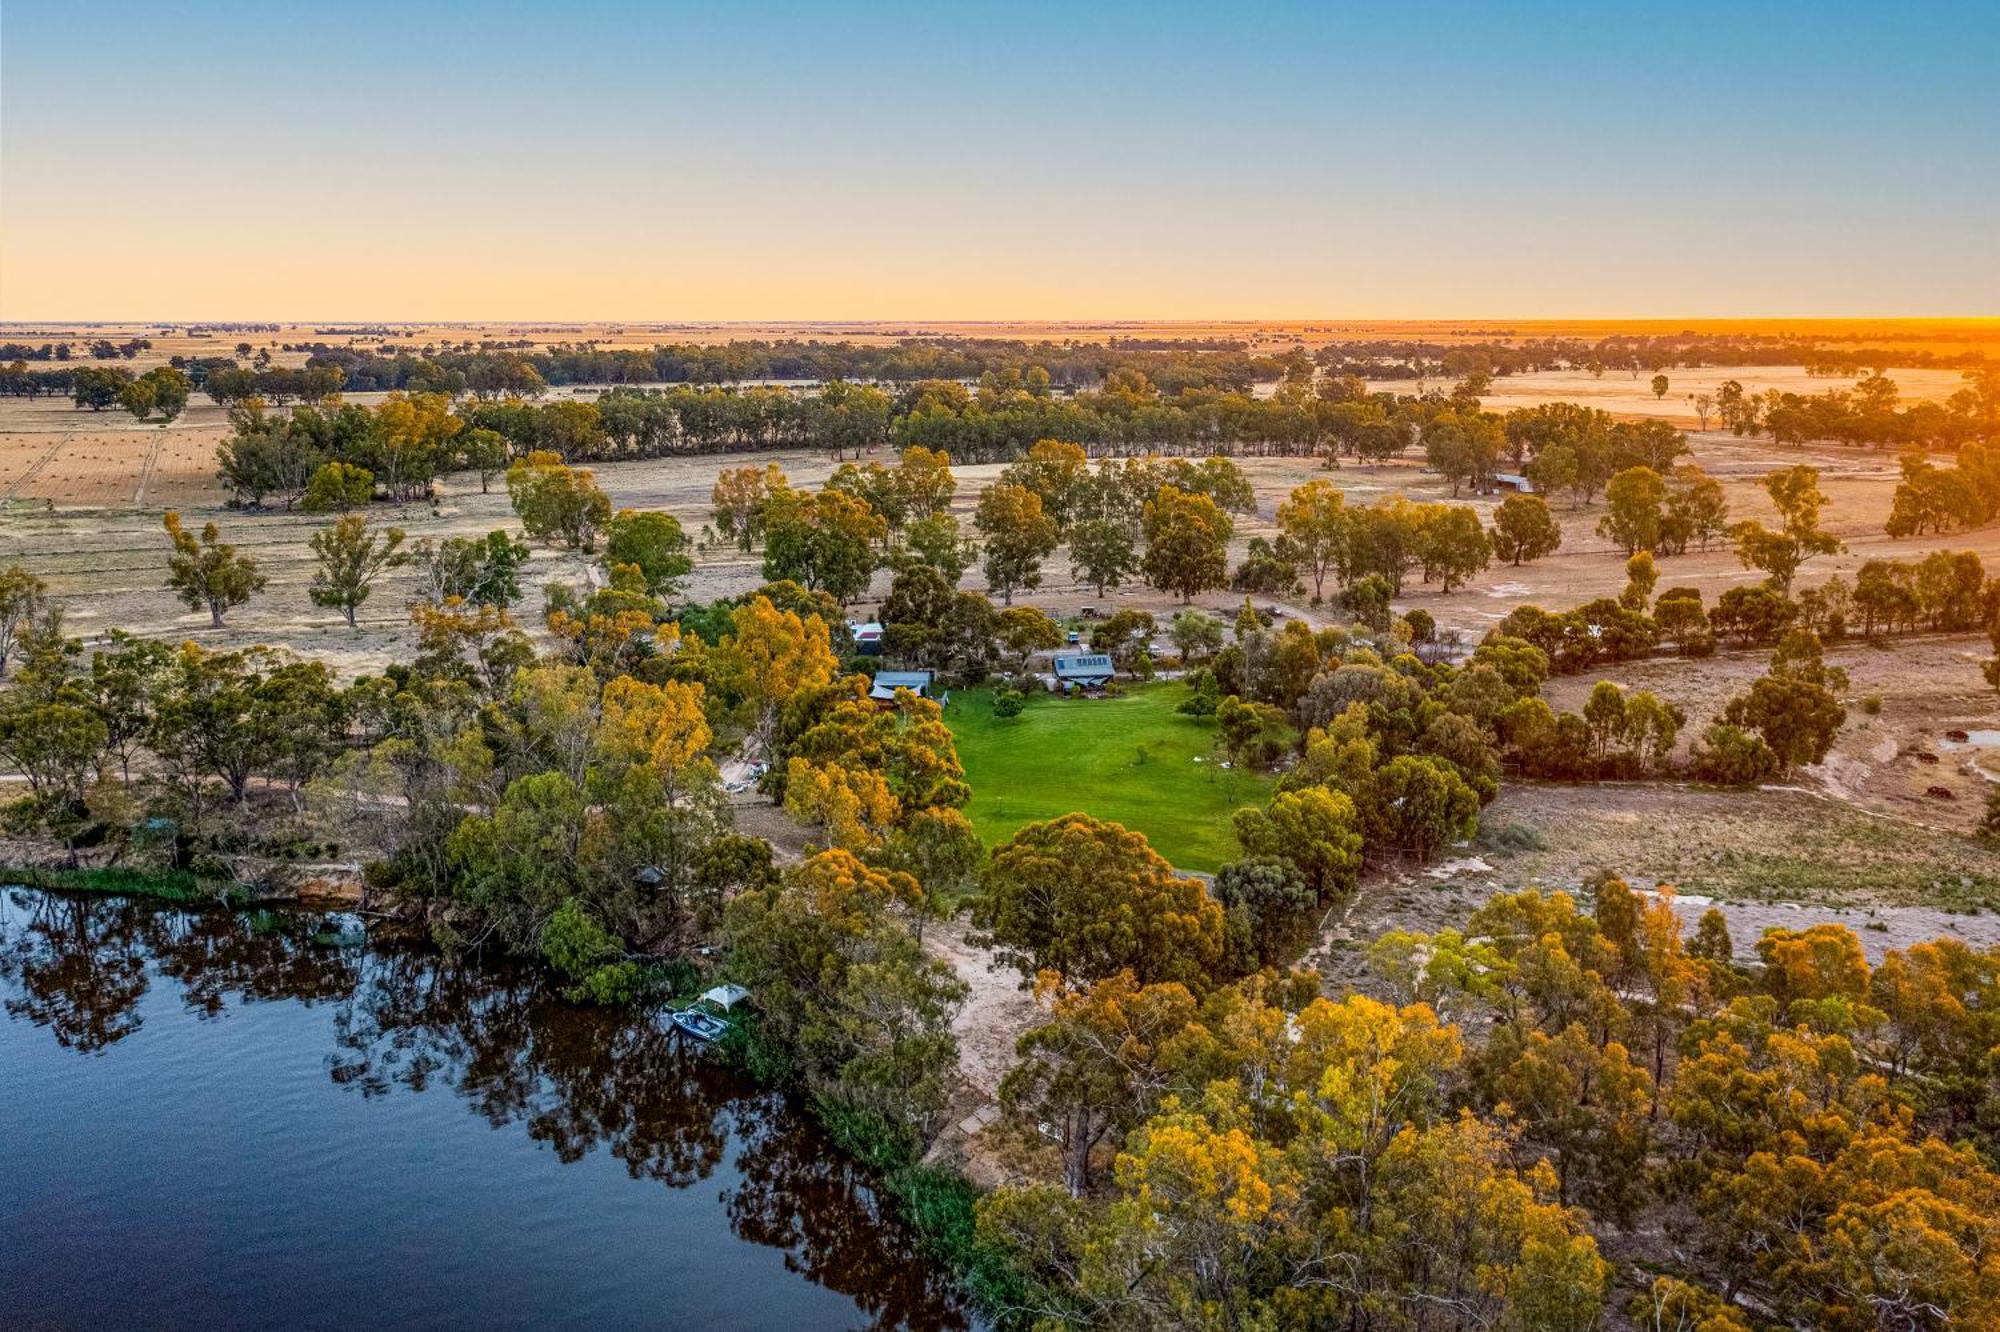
[771,655]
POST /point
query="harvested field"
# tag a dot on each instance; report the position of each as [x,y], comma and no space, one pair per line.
[1618,392]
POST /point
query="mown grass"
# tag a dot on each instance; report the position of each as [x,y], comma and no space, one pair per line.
[1129,760]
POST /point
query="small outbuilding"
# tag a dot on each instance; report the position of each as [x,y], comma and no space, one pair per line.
[867,638]
[1083,670]
[1514,481]
[726,996]
[888,682]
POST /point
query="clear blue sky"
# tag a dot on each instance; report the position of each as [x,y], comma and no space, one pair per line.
[600,160]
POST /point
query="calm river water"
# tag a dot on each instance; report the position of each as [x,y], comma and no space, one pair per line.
[222,1120]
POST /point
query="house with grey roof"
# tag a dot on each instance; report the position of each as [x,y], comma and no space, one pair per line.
[1083,670]
[888,682]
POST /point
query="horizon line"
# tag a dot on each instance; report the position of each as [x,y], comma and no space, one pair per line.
[1078,321]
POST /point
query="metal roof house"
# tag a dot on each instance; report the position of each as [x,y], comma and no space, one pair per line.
[1083,670]
[888,682]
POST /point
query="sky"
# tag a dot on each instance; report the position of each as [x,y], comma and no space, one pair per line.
[590,160]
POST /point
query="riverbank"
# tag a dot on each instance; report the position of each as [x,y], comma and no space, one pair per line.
[177,886]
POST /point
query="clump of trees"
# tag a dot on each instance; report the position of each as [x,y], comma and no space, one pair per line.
[1389,539]
[1870,413]
[1930,498]
[1545,1068]
[162,389]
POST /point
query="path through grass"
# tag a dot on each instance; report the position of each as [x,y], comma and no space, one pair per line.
[1129,760]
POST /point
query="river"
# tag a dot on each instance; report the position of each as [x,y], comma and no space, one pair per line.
[218,1119]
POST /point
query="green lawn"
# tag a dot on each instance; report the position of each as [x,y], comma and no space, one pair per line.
[1129,760]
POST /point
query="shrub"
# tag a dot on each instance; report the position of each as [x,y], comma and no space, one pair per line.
[942,1207]
[1514,837]
[1732,756]
[1206,697]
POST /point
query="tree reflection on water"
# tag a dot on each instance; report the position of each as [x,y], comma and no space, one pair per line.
[409,1020]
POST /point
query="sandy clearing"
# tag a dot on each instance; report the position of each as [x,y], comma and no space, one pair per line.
[996,1012]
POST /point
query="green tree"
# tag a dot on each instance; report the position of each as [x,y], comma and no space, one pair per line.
[1025,630]
[1416,805]
[1464,448]
[1637,497]
[937,541]
[557,503]
[825,542]
[1315,830]
[1195,633]
[924,482]
[1697,509]
[1187,543]
[1101,553]
[848,1003]
[1524,530]
[23,598]
[1059,475]
[350,559]
[336,487]
[914,617]
[98,387]
[1019,535]
[1314,516]
[1641,577]
[654,544]
[208,574]
[477,570]
[1269,908]
[163,389]
[56,746]
[1454,546]
[739,498]
[485,452]
[1088,899]
[1796,493]
[1797,717]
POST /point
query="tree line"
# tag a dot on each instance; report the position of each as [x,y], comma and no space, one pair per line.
[1871,413]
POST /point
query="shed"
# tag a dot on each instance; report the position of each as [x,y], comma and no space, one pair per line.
[888,682]
[867,638]
[1083,670]
[1514,481]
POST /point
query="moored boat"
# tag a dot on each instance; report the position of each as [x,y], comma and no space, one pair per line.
[702,1026]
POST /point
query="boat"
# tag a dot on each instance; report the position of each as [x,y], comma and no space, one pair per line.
[702,1026]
